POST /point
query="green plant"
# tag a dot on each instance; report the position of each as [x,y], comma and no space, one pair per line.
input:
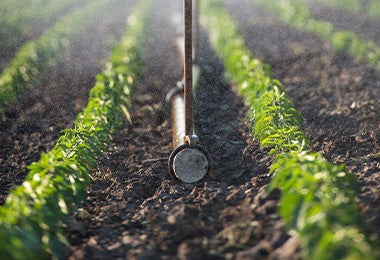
[318,198]
[369,8]
[294,13]
[32,218]
[274,121]
[277,124]
[373,9]
[37,55]
[17,21]
[319,202]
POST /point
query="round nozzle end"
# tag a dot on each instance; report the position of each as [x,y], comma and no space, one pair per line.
[189,164]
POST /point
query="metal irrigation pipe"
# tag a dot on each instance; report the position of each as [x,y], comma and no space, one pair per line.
[189,161]
[188,67]
[196,31]
[178,116]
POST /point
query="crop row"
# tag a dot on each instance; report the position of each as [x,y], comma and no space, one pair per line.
[371,8]
[318,201]
[296,14]
[15,24]
[31,220]
[35,56]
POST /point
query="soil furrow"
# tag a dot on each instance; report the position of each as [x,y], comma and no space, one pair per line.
[34,30]
[136,164]
[33,123]
[365,27]
[137,211]
[337,95]
[134,210]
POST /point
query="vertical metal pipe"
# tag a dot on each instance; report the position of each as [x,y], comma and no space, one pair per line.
[196,31]
[188,162]
[188,68]
[178,120]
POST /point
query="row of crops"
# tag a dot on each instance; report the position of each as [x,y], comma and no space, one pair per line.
[369,8]
[33,216]
[16,24]
[297,14]
[318,198]
[37,55]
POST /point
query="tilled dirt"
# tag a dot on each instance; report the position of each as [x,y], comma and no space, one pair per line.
[137,211]
[33,30]
[337,96]
[367,28]
[33,124]
[134,210]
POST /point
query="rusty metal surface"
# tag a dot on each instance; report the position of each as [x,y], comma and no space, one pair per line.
[195,31]
[188,67]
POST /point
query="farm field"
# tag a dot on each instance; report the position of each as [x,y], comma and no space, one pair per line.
[133,209]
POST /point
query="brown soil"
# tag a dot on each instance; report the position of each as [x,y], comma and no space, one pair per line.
[364,26]
[338,96]
[142,213]
[34,123]
[32,30]
[134,210]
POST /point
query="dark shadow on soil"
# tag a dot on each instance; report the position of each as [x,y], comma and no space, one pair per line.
[219,114]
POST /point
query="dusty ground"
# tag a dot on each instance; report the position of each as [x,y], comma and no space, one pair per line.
[134,209]
[32,30]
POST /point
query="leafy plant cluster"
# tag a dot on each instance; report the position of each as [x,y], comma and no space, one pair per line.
[20,17]
[274,120]
[369,8]
[32,218]
[37,55]
[298,15]
[373,9]
[318,198]
[318,201]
